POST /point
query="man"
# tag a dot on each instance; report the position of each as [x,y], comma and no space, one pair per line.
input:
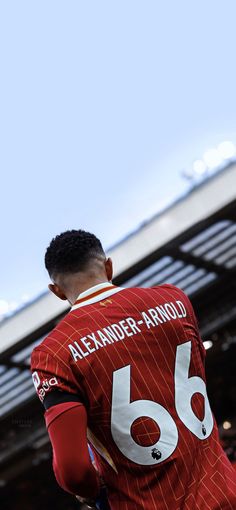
[125,368]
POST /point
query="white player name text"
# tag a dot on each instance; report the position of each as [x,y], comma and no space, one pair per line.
[126,328]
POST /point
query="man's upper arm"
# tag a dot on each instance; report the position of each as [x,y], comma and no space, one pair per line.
[66,421]
[52,379]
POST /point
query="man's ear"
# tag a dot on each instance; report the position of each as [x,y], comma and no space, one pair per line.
[57,291]
[109,269]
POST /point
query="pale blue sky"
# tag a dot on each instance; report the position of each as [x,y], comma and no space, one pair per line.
[103,103]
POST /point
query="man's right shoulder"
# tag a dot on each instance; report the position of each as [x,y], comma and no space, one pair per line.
[164,289]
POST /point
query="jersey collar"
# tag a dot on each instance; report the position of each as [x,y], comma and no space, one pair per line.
[95,294]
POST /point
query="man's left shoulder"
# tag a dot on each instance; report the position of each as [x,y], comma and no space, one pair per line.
[53,342]
[52,349]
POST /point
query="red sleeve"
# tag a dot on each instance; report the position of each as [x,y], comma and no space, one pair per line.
[67,428]
[49,374]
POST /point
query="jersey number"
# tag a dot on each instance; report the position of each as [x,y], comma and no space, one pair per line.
[124,412]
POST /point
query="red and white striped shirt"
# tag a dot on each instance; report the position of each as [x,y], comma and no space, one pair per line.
[136,360]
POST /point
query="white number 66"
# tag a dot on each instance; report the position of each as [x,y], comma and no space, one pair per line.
[124,412]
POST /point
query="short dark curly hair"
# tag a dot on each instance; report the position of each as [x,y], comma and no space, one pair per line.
[71,251]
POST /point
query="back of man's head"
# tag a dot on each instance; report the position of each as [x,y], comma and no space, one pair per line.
[72,251]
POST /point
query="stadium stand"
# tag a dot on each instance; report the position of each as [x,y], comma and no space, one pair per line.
[192,244]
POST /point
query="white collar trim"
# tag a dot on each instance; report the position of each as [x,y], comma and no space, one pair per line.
[110,290]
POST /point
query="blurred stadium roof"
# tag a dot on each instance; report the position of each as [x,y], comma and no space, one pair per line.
[192,244]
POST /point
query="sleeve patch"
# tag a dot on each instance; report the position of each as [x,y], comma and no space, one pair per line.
[43,386]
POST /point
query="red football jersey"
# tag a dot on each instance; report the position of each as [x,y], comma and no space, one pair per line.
[136,360]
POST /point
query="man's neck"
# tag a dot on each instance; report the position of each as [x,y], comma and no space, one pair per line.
[84,286]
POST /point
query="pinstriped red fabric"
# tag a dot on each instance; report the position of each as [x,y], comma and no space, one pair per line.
[137,360]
